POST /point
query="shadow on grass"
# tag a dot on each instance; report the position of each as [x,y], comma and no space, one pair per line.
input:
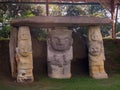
[75,83]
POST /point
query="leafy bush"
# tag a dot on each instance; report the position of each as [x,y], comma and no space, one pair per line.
[5,32]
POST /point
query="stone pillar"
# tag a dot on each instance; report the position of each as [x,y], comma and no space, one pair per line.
[12,50]
[96,53]
[59,53]
[24,56]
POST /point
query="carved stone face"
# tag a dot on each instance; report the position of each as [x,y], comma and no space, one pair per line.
[95,48]
[24,48]
[61,42]
[24,42]
[24,33]
[24,36]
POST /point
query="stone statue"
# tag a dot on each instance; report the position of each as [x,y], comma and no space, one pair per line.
[60,53]
[24,56]
[96,54]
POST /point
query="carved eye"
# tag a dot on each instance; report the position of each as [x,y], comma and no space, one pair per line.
[55,39]
[96,48]
[66,39]
[22,47]
[92,49]
[24,36]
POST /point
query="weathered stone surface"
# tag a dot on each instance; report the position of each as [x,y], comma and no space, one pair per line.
[60,21]
[60,53]
[12,47]
[96,53]
[24,56]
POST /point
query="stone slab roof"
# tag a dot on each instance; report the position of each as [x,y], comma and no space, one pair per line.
[58,21]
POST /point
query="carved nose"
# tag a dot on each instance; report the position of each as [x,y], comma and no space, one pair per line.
[25,50]
[60,42]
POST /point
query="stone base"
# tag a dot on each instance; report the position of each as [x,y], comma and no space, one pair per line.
[25,76]
[58,76]
[99,76]
[28,79]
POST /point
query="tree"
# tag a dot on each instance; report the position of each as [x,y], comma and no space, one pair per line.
[88,10]
[10,11]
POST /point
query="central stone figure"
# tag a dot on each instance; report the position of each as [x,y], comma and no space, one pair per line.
[60,53]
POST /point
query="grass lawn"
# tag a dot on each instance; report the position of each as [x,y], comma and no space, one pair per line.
[75,83]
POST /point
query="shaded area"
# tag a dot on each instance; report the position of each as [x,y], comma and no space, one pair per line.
[112,53]
[79,65]
[4,58]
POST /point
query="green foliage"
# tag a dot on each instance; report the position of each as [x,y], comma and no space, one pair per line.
[5,32]
[77,11]
[88,10]
[39,33]
[117,27]
[10,11]
[1,18]
[96,14]
[55,10]
[73,11]
[106,30]
[38,10]
[27,13]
